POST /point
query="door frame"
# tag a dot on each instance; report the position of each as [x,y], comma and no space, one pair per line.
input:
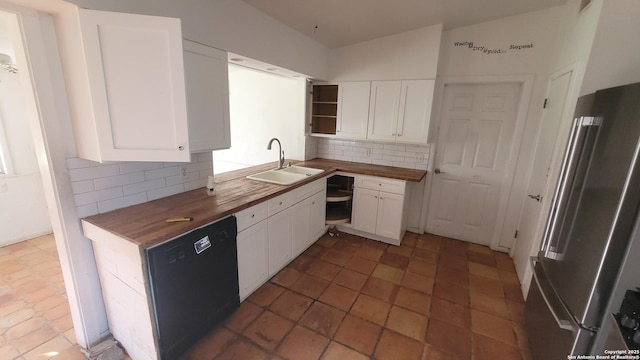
[555,164]
[526,84]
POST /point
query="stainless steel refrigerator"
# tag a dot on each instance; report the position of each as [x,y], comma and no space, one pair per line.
[589,225]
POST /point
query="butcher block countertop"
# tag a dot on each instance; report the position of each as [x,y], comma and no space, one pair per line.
[144,224]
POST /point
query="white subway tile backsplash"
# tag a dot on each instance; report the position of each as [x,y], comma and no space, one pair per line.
[99,188]
[368,152]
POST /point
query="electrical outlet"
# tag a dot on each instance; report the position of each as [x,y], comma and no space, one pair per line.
[183,172]
[420,157]
[368,152]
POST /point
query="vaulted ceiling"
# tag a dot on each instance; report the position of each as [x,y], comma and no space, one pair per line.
[337,23]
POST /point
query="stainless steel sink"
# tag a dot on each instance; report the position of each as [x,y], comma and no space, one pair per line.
[285,176]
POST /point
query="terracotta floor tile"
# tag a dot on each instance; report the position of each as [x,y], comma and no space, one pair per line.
[369,253]
[375,244]
[291,305]
[301,263]
[35,339]
[454,262]
[452,292]
[394,346]
[433,353]
[484,270]
[485,348]
[361,265]
[351,279]
[70,353]
[493,327]
[24,328]
[337,351]
[63,324]
[40,294]
[394,260]
[16,317]
[450,312]
[310,286]
[479,249]
[302,344]
[9,352]
[57,312]
[424,268]
[13,306]
[486,286]
[337,257]
[509,278]
[323,269]
[425,255]
[242,317]
[268,330]
[409,240]
[429,242]
[388,273]
[55,345]
[400,250]
[358,334]
[413,300]
[50,302]
[241,349]
[417,282]
[491,305]
[327,241]
[286,277]
[481,258]
[322,318]
[521,336]
[516,311]
[453,276]
[454,247]
[339,297]
[380,289]
[212,344]
[315,250]
[265,294]
[407,322]
[505,263]
[513,292]
[449,338]
[371,309]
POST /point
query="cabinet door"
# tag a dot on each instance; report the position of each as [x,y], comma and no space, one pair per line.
[317,216]
[253,262]
[389,217]
[383,110]
[300,227]
[136,84]
[279,240]
[416,98]
[365,210]
[207,86]
[353,109]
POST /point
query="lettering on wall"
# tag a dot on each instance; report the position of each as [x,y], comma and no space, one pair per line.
[470,45]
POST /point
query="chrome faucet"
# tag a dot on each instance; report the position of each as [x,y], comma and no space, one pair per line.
[280,153]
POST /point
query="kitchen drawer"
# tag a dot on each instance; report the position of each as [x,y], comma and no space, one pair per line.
[381,184]
[251,216]
[279,203]
[308,190]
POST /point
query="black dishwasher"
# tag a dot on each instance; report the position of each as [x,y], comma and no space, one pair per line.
[194,284]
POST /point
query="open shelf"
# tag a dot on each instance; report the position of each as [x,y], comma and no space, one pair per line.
[324,109]
[337,195]
[338,216]
[339,199]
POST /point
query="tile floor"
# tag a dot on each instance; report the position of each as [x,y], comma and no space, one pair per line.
[344,298]
[35,322]
[353,298]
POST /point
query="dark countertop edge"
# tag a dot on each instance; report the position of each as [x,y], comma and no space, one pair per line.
[344,166]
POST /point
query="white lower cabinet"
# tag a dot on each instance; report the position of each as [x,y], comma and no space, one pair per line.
[253,264]
[273,233]
[378,208]
[280,240]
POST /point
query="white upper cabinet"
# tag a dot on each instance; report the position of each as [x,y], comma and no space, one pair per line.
[383,110]
[125,78]
[400,111]
[207,83]
[353,109]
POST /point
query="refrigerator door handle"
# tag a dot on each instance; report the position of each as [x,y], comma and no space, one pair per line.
[565,324]
[550,248]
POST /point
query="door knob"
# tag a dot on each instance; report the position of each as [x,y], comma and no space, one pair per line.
[437,171]
[537,198]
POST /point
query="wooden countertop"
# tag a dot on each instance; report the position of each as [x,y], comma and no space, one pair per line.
[145,225]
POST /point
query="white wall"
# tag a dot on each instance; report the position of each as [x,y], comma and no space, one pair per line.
[409,55]
[234,26]
[263,106]
[615,56]
[23,210]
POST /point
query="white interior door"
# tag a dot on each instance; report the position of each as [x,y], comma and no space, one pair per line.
[474,145]
[538,186]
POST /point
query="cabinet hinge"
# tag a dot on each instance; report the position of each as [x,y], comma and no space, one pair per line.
[544,106]
[516,234]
